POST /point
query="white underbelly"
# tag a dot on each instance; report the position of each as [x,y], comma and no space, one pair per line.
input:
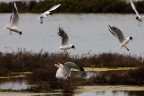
[65,47]
[124,43]
[60,74]
[12,28]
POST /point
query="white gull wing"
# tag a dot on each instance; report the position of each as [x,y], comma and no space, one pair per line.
[46,13]
[69,65]
[142,16]
[14,19]
[117,33]
[54,7]
[43,15]
[63,35]
[134,8]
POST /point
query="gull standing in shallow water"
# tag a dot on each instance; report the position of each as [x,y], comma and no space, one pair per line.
[138,17]
[64,70]
[14,20]
[47,13]
[118,34]
[64,43]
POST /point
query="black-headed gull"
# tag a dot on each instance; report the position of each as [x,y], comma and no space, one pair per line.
[64,70]
[118,34]
[47,13]
[14,20]
[64,43]
[138,17]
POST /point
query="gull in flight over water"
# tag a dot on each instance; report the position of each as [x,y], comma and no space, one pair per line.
[64,43]
[64,70]
[118,34]
[138,17]
[14,20]
[47,13]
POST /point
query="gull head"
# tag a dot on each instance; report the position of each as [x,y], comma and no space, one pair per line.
[137,18]
[20,33]
[131,38]
[50,13]
[73,47]
[59,65]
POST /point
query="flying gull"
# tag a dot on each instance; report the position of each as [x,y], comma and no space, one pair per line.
[119,35]
[138,17]
[14,20]
[64,43]
[47,13]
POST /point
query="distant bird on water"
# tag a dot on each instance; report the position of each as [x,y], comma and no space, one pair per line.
[47,13]
[14,20]
[64,70]
[138,17]
[119,35]
[64,43]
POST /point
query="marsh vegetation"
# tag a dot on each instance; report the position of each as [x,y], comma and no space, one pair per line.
[39,70]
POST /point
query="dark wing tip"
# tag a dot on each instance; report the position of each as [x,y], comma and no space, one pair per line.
[81,69]
[109,25]
[61,31]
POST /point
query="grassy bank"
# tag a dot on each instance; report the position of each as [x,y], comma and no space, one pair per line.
[76,6]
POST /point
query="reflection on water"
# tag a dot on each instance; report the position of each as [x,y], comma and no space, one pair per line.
[112,93]
[14,84]
[98,93]
[23,84]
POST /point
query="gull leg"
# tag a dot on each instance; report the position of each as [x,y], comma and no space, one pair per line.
[140,23]
[41,21]
[10,33]
[59,84]
[66,52]
[127,48]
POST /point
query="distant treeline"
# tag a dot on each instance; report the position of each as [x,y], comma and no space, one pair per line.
[75,6]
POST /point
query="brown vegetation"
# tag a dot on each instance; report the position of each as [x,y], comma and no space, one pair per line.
[131,77]
[41,66]
[22,61]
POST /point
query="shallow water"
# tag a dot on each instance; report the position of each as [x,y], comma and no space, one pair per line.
[17,84]
[112,93]
[87,32]
[117,90]
[96,93]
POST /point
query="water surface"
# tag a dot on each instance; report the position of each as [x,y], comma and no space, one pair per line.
[87,32]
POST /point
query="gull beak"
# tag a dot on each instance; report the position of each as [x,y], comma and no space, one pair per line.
[58,62]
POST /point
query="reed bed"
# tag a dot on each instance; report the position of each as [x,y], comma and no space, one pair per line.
[131,77]
[41,66]
[22,60]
